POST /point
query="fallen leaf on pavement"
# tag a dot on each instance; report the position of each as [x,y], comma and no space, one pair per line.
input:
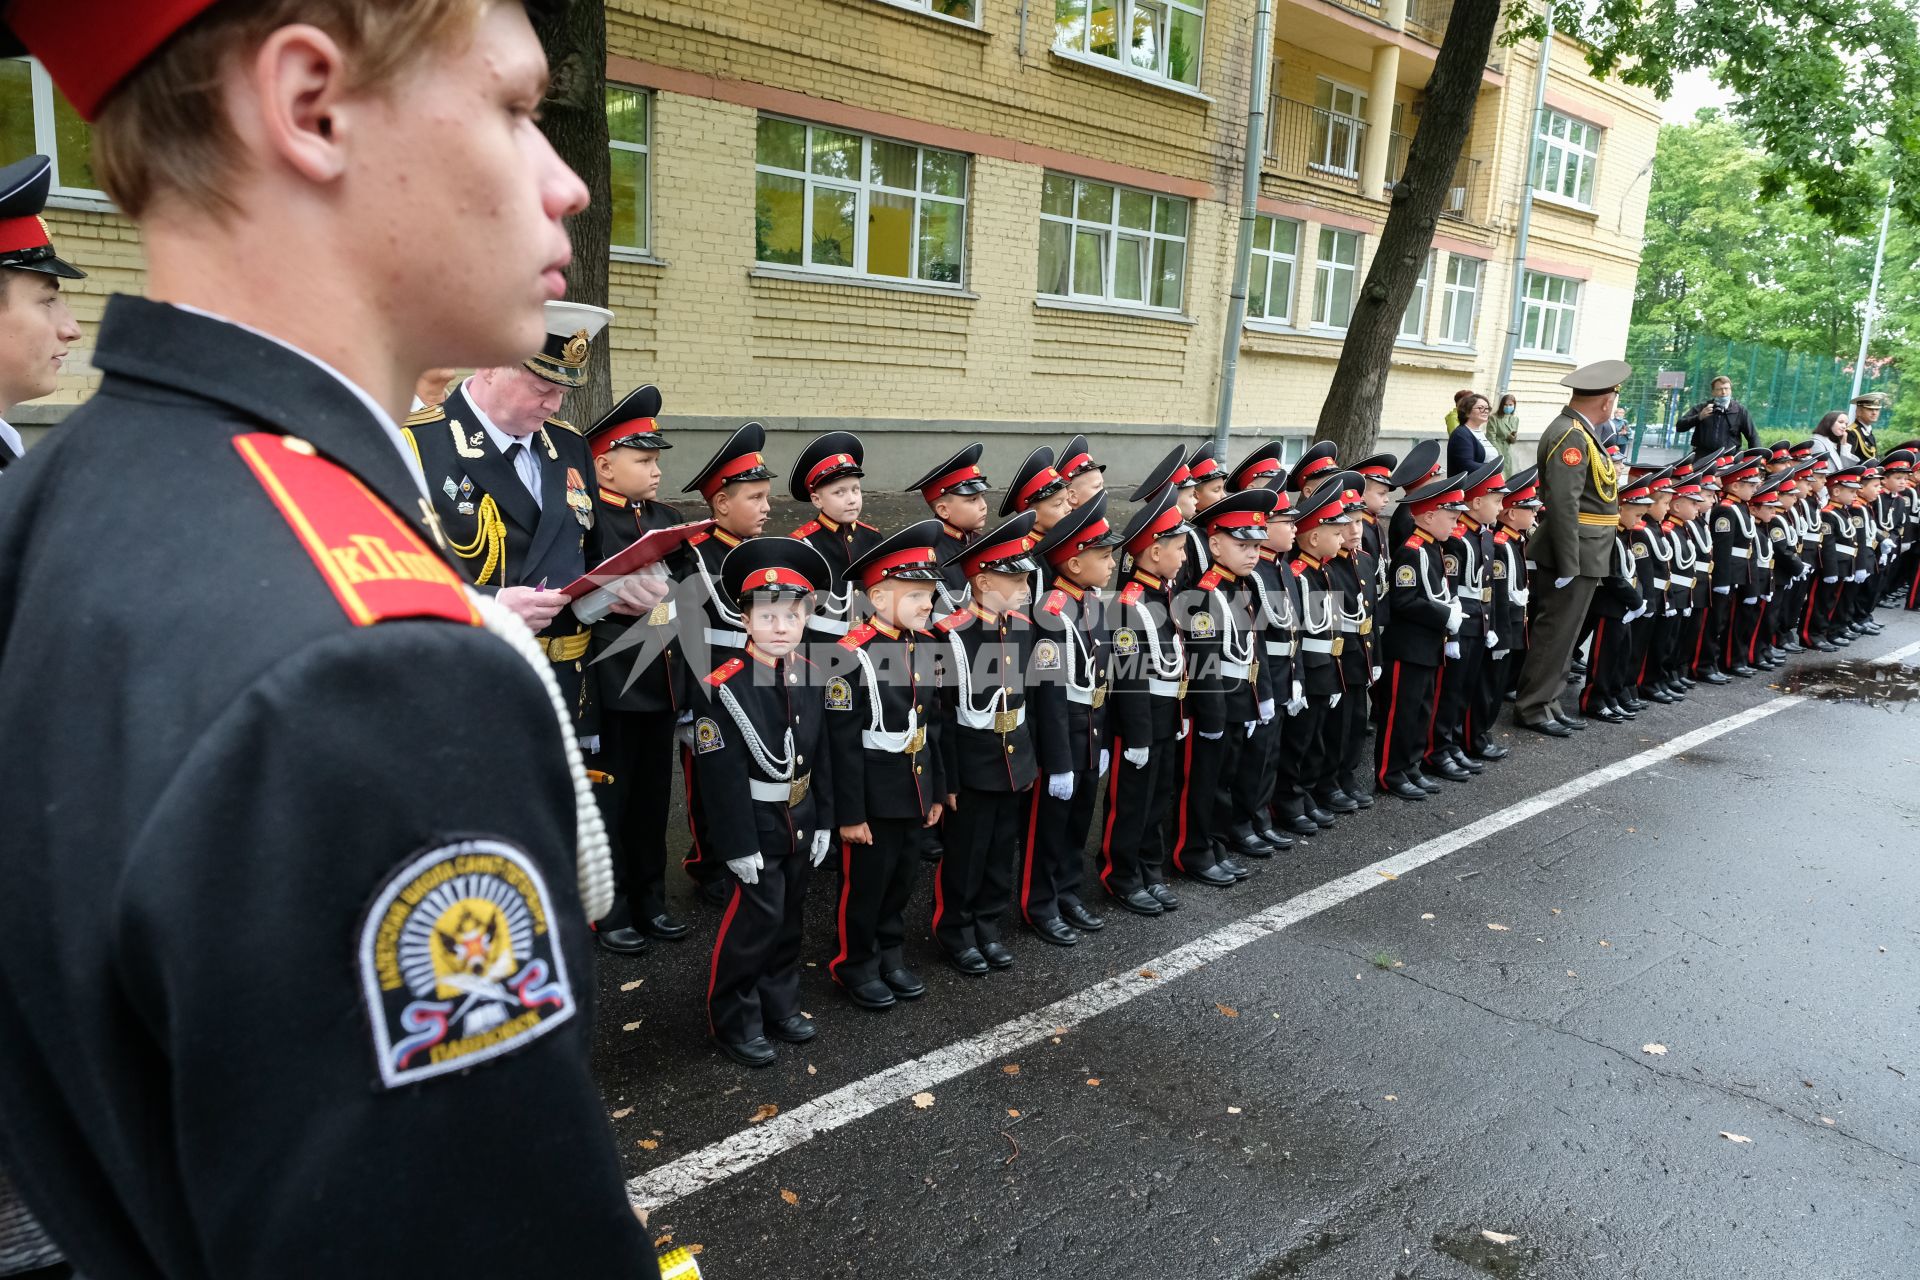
[1555,910]
[1605,943]
[1233,1111]
[631,1026]
[1386,875]
[1059,1031]
[1735,1137]
[765,1111]
[662,1241]
[1498,1237]
[789,1196]
[1657,1049]
[632,986]
[1499,928]
[806,1015]
[1572,974]
[812,1070]
[1826,1119]
[1393,1097]
[1148,973]
[923,1100]
[623,1113]
[1012,1069]
[1013,1113]
[1094,1082]
[647,1144]
[1399,964]
[658,1133]
[1227,1010]
[1426,915]
[641,1214]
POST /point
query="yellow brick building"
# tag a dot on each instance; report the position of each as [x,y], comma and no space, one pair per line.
[933,219]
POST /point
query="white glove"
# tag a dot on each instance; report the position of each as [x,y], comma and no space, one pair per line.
[1333,702]
[1135,756]
[821,839]
[1721,591]
[683,729]
[1250,726]
[1500,653]
[1834,578]
[1212,737]
[747,869]
[1670,613]
[1060,786]
[1106,758]
[1493,639]
[1186,727]
[1859,575]
[1453,648]
[1455,613]
[1687,612]
[1750,600]
[1298,702]
[1266,710]
[1561,582]
[1768,597]
[1375,677]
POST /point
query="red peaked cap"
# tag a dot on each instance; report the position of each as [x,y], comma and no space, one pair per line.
[90,46]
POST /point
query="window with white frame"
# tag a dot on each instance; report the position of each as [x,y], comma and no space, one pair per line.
[1413,324]
[833,201]
[630,166]
[1459,300]
[1546,327]
[1160,39]
[1276,261]
[1336,272]
[35,117]
[1103,243]
[1565,152]
[967,11]
[1339,126]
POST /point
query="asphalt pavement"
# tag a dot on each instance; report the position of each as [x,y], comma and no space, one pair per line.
[1640,1003]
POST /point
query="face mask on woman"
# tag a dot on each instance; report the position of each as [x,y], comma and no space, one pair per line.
[1506,410]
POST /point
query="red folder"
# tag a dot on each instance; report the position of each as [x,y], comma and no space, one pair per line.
[652,546]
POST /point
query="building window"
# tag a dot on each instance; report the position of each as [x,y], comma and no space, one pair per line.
[1160,39]
[1547,326]
[1335,275]
[1276,258]
[36,118]
[630,165]
[1414,323]
[1111,244]
[828,200]
[1459,300]
[959,10]
[1565,151]
[1339,125]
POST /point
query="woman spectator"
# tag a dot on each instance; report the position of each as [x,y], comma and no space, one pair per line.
[1468,446]
[1830,439]
[1504,429]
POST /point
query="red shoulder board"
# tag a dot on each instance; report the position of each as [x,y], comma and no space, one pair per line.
[1209,580]
[1413,542]
[858,636]
[806,530]
[1056,601]
[954,621]
[376,564]
[699,537]
[864,525]
[1131,593]
[612,498]
[725,672]
[1298,565]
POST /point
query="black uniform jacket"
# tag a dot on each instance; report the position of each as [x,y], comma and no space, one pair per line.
[988,739]
[1507,578]
[1278,597]
[841,544]
[659,684]
[1148,665]
[1317,665]
[884,722]
[1067,682]
[761,790]
[1732,547]
[1420,593]
[243,742]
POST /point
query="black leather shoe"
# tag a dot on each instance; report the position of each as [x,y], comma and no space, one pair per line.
[1685,682]
[1140,902]
[1493,751]
[1319,817]
[715,892]
[1744,671]
[1622,710]
[1243,839]
[1460,758]
[758,1052]
[970,962]
[1552,728]
[1576,723]
[795,1028]
[1660,697]
[1405,790]
[1277,838]
[1792,646]
[1164,896]
[1080,918]
[1677,691]
[905,983]
[1055,930]
[996,954]
[872,994]
[1605,715]
[1444,767]
[622,942]
[1336,802]
[1303,826]
[666,928]
[1715,677]
[1218,877]
[1840,638]
[1821,646]
[1360,795]
[1234,868]
[1425,783]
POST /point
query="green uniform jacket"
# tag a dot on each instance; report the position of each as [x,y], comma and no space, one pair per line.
[1577,480]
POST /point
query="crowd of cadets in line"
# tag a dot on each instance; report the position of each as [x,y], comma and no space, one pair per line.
[967,695]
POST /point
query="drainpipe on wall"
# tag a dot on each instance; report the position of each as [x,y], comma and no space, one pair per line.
[1249,210]
[1515,312]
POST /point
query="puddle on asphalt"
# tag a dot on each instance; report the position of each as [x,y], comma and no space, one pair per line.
[1295,1260]
[1891,688]
[1509,1261]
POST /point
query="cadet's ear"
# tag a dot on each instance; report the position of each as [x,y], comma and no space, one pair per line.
[603,467]
[298,79]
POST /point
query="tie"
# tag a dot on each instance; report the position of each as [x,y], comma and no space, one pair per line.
[527,467]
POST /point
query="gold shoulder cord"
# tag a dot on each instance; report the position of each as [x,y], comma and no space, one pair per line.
[1606,481]
[491,539]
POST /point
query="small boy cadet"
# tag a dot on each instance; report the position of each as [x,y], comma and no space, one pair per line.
[1486,495]
[1519,507]
[1085,478]
[1733,543]
[1207,478]
[1425,462]
[953,491]
[1656,625]
[1353,617]
[1038,488]
[761,753]
[1616,603]
[989,748]
[736,486]
[1068,688]
[1772,565]
[1374,552]
[827,474]
[1683,569]
[1466,648]
[1223,656]
[884,727]
[637,707]
[1308,765]
[1254,828]
[1425,616]
[1148,675]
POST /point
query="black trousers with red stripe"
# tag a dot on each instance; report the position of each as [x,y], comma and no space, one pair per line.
[1483,700]
[1713,647]
[1347,733]
[974,881]
[755,974]
[1132,851]
[1609,663]
[1250,781]
[636,748]
[1459,677]
[1743,634]
[1194,825]
[876,884]
[1406,710]
[1306,764]
[697,864]
[1052,868]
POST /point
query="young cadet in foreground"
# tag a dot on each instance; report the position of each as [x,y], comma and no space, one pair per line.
[1520,506]
[1068,688]
[1425,615]
[885,725]
[274,1087]
[954,491]
[827,473]
[766,775]
[988,746]
[1307,770]
[1276,604]
[1038,488]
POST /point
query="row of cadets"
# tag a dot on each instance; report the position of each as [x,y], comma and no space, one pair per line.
[1876,550]
[639,694]
[1774,565]
[766,777]
[1144,710]
[1038,488]
[1426,616]
[1829,623]
[827,474]
[953,490]
[1354,596]
[1512,587]
[1464,558]
[1904,583]
[1224,695]
[990,758]
[1656,554]
[1734,539]
[736,485]
[1068,687]
[1305,772]
[1616,603]
[1666,674]
[884,725]
[1204,485]
[1273,602]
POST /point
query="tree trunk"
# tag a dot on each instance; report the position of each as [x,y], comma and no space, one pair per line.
[1350,417]
[575,121]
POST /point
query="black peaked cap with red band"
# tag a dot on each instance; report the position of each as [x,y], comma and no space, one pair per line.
[1242,516]
[1035,481]
[1154,520]
[1320,460]
[1324,505]
[907,554]
[630,423]
[1449,493]
[1171,470]
[1422,463]
[24,241]
[1076,460]
[1485,479]
[778,566]
[1378,466]
[1080,529]
[1523,490]
[826,458]
[1256,466]
[1005,549]
[959,475]
[739,460]
[1203,464]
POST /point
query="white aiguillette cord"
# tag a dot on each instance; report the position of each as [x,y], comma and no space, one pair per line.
[593,855]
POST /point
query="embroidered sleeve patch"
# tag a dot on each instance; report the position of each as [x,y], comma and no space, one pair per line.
[1499,569]
[1779,534]
[1125,641]
[1046,656]
[1405,576]
[839,694]
[1453,566]
[460,961]
[706,736]
[1202,626]
[1722,525]
[1570,456]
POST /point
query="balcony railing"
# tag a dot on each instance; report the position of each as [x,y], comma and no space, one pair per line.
[1464,200]
[1365,8]
[1305,141]
[1428,19]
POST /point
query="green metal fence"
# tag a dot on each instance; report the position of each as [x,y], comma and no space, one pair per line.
[1784,391]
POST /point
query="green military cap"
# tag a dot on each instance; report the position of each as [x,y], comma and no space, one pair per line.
[1598,378]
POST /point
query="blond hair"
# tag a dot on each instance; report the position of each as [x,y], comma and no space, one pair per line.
[164,130]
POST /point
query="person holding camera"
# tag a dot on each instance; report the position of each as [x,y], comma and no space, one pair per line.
[1719,421]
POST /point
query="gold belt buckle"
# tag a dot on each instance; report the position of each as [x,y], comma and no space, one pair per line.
[1099,697]
[660,616]
[797,791]
[1366,626]
[1181,690]
[918,742]
[1253,670]
[1005,722]
[1339,645]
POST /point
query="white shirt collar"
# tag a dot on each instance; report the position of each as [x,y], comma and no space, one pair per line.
[387,424]
[502,440]
[11,438]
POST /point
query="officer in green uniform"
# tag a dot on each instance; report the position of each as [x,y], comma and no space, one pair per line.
[1573,541]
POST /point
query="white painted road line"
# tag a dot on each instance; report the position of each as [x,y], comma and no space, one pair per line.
[1904,652]
[713,1164]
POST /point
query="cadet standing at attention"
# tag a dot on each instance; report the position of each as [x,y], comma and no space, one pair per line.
[1085,478]
[1038,488]
[827,473]
[953,490]
[1426,616]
